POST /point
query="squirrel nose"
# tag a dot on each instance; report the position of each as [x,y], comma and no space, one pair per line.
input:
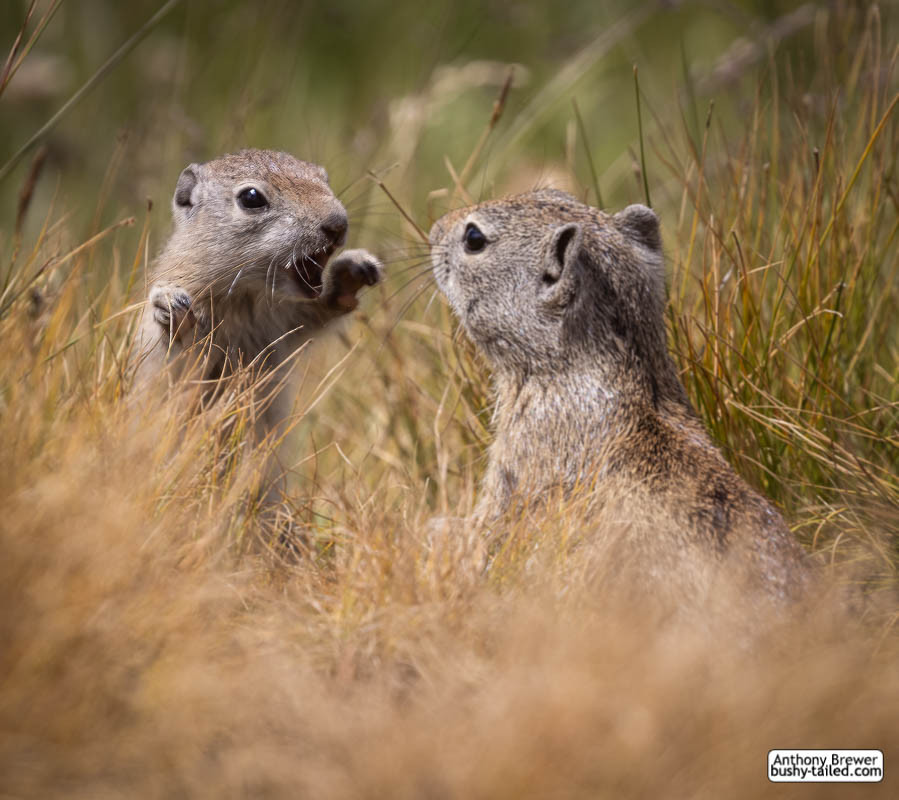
[334,226]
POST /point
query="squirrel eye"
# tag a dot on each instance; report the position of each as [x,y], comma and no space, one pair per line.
[473,238]
[251,198]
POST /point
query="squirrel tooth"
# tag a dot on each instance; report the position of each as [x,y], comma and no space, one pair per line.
[204,275]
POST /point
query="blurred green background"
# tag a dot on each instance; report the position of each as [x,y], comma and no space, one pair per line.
[386,86]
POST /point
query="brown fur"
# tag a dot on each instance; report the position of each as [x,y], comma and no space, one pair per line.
[567,303]
[249,283]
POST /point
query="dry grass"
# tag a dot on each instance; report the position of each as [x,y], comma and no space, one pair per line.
[158,641]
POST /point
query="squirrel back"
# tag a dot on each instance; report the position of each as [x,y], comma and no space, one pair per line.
[567,304]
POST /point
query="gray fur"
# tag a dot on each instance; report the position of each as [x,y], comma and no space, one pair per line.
[567,304]
[235,278]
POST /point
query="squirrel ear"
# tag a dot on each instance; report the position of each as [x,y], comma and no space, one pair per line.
[187,180]
[641,224]
[559,280]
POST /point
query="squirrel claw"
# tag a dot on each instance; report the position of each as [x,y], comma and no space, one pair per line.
[172,311]
[347,274]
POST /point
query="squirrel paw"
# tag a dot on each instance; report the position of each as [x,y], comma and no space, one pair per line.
[172,311]
[346,275]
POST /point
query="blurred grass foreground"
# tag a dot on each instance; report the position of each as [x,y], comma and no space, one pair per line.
[158,638]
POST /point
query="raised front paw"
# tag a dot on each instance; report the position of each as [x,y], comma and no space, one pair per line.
[346,275]
[172,312]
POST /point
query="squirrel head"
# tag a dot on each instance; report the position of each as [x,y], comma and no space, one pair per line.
[263,214]
[542,282]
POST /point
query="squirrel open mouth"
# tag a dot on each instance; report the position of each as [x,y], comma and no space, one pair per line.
[307,270]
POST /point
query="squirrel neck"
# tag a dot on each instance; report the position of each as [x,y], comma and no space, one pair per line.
[190,267]
[577,401]
[555,431]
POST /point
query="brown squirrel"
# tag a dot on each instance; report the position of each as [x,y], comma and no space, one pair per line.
[567,305]
[246,270]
